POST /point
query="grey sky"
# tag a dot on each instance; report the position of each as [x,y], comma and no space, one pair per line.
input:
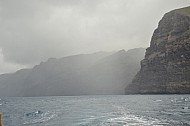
[34,30]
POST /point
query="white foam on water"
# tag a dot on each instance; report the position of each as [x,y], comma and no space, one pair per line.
[42,118]
[158,100]
[129,119]
[134,120]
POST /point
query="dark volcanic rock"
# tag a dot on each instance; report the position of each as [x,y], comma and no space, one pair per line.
[166,66]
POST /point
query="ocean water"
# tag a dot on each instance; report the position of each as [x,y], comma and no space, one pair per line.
[126,110]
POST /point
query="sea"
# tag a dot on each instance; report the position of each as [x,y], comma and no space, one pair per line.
[111,110]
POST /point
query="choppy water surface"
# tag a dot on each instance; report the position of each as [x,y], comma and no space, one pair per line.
[129,110]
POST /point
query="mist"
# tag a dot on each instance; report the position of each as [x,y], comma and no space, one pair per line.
[102,73]
[33,31]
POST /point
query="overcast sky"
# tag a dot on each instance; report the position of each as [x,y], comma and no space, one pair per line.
[31,31]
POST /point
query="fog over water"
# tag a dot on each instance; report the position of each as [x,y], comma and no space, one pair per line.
[32,31]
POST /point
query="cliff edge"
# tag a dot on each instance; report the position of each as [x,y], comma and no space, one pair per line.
[166,66]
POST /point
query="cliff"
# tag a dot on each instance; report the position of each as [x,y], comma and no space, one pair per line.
[85,74]
[166,66]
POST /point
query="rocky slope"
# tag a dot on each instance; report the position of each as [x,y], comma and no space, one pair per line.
[98,73]
[166,67]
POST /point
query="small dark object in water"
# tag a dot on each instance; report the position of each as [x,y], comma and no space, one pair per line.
[185,107]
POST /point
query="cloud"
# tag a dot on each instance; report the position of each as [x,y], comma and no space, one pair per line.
[33,30]
[7,67]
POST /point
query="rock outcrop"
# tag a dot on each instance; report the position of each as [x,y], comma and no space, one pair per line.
[166,66]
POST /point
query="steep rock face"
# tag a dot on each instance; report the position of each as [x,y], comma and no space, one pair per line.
[166,66]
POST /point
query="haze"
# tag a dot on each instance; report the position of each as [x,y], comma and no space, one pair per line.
[35,30]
